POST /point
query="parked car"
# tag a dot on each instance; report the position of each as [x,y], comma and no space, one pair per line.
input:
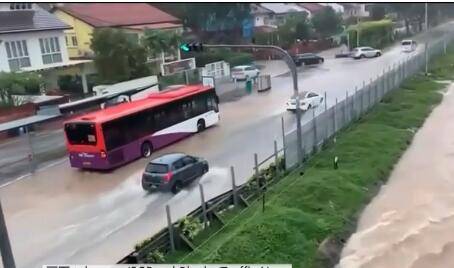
[408,45]
[307,59]
[244,72]
[365,52]
[308,100]
[171,172]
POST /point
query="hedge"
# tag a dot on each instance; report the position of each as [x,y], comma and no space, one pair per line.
[233,58]
[375,34]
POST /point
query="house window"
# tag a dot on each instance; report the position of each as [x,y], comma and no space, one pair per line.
[17,53]
[20,6]
[50,50]
[71,40]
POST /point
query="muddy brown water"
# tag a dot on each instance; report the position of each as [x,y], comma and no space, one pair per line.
[410,223]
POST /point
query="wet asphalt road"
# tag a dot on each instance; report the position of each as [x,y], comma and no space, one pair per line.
[63,215]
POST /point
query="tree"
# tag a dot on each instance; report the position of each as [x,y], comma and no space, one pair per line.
[378,12]
[202,16]
[117,57]
[327,22]
[158,41]
[296,26]
[18,84]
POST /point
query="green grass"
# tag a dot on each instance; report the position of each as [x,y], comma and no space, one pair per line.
[302,211]
[443,67]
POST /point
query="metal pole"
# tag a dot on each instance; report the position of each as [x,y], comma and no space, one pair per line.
[369,90]
[204,205]
[256,165]
[357,33]
[186,77]
[170,227]
[31,154]
[283,135]
[276,156]
[427,21]
[234,190]
[291,64]
[5,246]
[426,55]
[314,122]
[326,103]
[345,107]
[334,118]
[357,113]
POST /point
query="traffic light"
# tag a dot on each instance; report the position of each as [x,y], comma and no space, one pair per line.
[188,47]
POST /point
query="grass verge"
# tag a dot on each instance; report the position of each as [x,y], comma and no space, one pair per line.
[304,210]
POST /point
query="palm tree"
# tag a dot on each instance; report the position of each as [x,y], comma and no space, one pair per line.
[159,41]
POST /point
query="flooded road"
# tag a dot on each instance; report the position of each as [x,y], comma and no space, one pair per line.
[410,223]
[64,215]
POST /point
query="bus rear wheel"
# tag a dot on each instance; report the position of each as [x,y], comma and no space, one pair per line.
[200,125]
[146,149]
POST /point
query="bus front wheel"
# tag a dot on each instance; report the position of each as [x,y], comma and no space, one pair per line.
[200,125]
[146,149]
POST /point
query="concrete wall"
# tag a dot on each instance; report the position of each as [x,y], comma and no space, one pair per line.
[33,47]
[82,30]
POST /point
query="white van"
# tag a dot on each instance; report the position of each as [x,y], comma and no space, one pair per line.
[408,45]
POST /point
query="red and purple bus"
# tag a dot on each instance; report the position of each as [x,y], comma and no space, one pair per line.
[116,135]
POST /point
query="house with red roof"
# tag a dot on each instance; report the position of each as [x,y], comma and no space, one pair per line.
[133,18]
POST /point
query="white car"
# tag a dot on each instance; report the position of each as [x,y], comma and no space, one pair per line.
[308,100]
[408,45]
[365,52]
[244,72]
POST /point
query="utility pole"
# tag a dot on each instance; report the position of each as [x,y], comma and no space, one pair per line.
[291,64]
[427,22]
[5,246]
[426,56]
[357,31]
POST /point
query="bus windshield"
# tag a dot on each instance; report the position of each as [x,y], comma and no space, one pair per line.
[81,133]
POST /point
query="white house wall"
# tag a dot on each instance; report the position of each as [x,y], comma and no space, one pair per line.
[34,50]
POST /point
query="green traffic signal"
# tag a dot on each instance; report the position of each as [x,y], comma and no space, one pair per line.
[185,48]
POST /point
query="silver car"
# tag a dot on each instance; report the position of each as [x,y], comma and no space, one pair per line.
[365,52]
[171,172]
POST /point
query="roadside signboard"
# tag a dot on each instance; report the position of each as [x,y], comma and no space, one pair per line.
[178,66]
[208,81]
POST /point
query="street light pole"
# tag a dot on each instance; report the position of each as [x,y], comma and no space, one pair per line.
[5,246]
[357,31]
[291,64]
[427,22]
[426,56]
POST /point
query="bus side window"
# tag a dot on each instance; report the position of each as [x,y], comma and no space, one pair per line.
[187,109]
[212,104]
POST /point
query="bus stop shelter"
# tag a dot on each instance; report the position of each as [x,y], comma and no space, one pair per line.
[26,123]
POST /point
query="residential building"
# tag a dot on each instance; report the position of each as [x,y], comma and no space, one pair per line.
[30,38]
[133,18]
[280,11]
[262,17]
[355,10]
[312,7]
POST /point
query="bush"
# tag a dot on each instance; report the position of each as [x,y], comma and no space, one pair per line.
[376,34]
[190,227]
[155,257]
[70,83]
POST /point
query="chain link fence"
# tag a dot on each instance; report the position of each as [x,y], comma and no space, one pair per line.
[324,125]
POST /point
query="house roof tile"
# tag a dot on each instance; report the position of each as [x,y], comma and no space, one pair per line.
[117,14]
